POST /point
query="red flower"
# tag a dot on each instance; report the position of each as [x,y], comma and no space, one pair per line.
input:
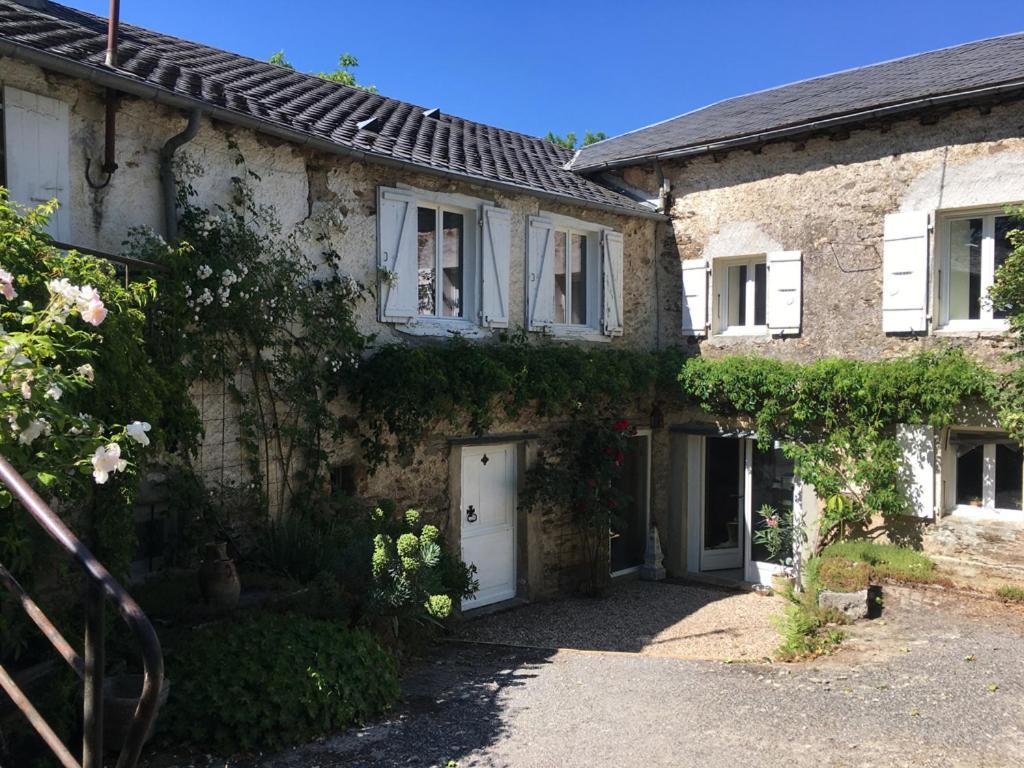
[619,457]
[621,425]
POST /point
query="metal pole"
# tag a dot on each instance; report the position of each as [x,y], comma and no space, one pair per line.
[92,737]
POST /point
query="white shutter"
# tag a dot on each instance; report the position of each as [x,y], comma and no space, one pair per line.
[695,297]
[917,468]
[905,273]
[784,291]
[613,305]
[396,255]
[496,236]
[36,138]
[540,286]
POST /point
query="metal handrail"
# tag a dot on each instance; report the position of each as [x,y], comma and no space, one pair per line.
[101,586]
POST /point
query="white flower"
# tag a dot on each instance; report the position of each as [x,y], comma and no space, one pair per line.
[86,372]
[35,428]
[63,288]
[137,431]
[95,313]
[54,392]
[106,461]
[7,285]
[204,272]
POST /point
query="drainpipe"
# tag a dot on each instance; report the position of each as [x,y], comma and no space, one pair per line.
[110,121]
[167,181]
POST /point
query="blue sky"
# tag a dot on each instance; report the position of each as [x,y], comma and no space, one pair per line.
[601,65]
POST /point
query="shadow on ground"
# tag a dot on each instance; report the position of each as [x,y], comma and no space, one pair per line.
[453,706]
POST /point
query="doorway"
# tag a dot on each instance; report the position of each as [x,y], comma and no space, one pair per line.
[488,510]
[628,540]
[721,534]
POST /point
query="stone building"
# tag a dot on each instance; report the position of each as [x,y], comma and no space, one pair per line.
[858,214]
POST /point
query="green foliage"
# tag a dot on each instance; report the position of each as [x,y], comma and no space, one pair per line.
[888,562]
[778,534]
[1010,594]
[839,575]
[569,140]
[299,547]
[272,681]
[75,372]
[803,629]
[242,298]
[580,473]
[837,418]
[413,579]
[1007,295]
[404,391]
[343,74]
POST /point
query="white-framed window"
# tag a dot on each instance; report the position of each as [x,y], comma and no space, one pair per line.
[741,295]
[988,475]
[444,285]
[575,278]
[972,246]
[443,261]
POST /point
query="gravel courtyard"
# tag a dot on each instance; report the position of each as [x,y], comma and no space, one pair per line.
[938,681]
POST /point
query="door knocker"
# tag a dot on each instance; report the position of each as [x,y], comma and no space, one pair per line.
[470,514]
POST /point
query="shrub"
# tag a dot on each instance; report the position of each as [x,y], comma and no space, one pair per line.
[298,547]
[1010,594]
[887,561]
[275,680]
[839,575]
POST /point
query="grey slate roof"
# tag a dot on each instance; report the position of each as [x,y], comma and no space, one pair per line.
[842,97]
[281,98]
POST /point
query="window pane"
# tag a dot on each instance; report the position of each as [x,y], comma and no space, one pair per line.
[579,279]
[1004,225]
[965,269]
[426,245]
[560,249]
[969,469]
[760,294]
[771,484]
[736,292]
[1009,476]
[452,255]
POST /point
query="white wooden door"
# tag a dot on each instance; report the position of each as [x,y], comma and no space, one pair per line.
[489,521]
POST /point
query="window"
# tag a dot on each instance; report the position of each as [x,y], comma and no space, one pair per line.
[574,278]
[441,257]
[742,296]
[443,262]
[975,246]
[571,284]
[989,473]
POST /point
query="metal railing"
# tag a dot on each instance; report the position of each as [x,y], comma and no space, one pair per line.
[125,265]
[101,586]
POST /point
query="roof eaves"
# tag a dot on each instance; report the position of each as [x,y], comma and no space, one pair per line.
[131,84]
[796,129]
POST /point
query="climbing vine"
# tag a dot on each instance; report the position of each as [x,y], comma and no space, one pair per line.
[403,391]
[244,305]
[837,419]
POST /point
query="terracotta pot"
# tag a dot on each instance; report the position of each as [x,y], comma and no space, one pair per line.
[120,698]
[218,579]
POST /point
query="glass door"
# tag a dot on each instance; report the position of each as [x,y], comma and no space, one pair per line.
[629,533]
[771,485]
[723,517]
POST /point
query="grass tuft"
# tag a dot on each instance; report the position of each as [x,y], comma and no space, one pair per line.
[1011,594]
[888,562]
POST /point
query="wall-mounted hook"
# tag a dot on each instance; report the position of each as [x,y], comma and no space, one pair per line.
[88,178]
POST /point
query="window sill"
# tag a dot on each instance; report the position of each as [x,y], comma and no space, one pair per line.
[574,333]
[441,326]
[969,512]
[973,328]
[744,330]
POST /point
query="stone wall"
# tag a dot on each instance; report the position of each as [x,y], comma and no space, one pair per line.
[828,199]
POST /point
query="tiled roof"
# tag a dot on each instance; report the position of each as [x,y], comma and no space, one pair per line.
[842,97]
[281,98]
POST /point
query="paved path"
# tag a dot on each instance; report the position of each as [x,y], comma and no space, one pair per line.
[939,681]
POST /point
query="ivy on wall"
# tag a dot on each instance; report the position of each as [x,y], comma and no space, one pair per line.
[403,391]
[837,419]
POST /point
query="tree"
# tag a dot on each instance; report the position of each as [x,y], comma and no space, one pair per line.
[343,74]
[569,140]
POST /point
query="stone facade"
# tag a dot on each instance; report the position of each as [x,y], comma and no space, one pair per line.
[317,195]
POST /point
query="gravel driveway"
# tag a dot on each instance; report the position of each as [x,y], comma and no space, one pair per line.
[938,681]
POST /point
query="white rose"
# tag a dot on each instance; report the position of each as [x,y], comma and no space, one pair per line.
[106,461]
[137,431]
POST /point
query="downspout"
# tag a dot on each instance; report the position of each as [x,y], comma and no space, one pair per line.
[167,180]
[110,121]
